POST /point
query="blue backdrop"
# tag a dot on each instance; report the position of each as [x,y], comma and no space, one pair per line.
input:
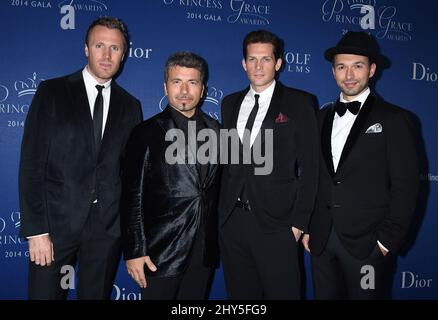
[40,40]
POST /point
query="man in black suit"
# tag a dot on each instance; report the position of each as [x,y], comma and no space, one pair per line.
[368,180]
[75,132]
[263,215]
[170,190]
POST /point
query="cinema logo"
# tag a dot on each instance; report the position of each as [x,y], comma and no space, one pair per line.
[297,62]
[210,102]
[364,13]
[249,13]
[84,5]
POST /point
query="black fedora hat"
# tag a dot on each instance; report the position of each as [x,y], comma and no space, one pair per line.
[359,43]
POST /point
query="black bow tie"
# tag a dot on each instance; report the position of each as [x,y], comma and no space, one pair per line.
[341,107]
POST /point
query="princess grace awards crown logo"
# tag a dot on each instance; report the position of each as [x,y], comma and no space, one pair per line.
[2,225]
[4,93]
[14,247]
[16,107]
[28,86]
[248,12]
[364,13]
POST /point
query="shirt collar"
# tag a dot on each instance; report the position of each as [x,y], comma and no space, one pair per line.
[180,119]
[361,98]
[265,94]
[91,82]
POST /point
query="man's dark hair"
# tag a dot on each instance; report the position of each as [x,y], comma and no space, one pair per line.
[263,36]
[189,60]
[110,23]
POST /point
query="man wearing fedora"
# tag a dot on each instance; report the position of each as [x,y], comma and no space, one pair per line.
[368,180]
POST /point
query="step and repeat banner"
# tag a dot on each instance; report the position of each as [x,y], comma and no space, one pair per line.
[43,39]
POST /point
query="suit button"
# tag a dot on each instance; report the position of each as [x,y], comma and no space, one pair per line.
[337,183]
[336,205]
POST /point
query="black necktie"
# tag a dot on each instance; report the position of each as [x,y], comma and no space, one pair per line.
[341,107]
[98,117]
[247,137]
[252,116]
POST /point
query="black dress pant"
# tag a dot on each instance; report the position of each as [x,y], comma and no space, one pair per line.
[258,265]
[192,284]
[337,274]
[96,255]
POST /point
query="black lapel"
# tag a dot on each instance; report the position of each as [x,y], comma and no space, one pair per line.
[326,139]
[273,111]
[114,116]
[166,122]
[78,94]
[357,128]
[235,115]
[236,108]
[274,108]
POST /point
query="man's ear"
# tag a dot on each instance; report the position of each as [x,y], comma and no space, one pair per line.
[86,50]
[373,68]
[278,64]
[244,65]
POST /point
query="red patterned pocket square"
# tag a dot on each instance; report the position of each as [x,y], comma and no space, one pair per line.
[281,118]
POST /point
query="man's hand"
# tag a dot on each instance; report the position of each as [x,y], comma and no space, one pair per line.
[297,233]
[135,269]
[305,242]
[41,250]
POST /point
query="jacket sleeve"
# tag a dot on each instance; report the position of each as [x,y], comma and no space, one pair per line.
[402,164]
[135,168]
[33,158]
[306,137]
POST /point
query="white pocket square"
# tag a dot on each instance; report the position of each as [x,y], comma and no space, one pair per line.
[375,128]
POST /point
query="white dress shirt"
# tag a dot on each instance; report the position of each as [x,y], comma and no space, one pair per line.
[246,107]
[342,126]
[341,129]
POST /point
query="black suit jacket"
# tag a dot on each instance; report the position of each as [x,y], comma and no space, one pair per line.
[59,167]
[373,193]
[163,204]
[285,197]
